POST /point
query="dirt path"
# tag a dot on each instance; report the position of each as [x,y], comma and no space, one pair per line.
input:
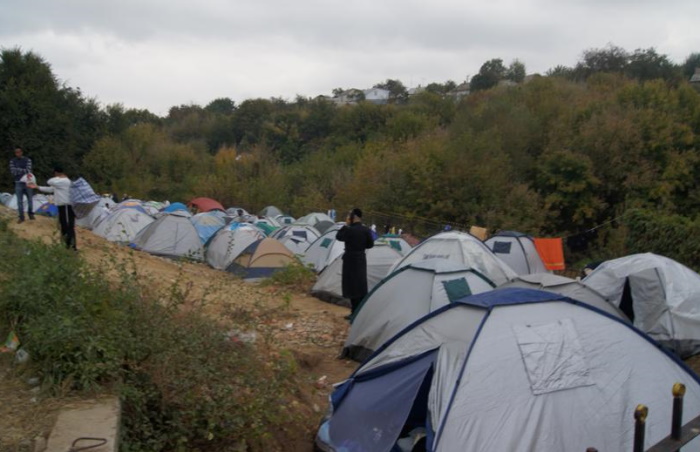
[311,329]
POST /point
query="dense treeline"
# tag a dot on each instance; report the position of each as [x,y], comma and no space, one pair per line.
[557,154]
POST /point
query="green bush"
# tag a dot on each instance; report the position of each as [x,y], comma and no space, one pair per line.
[293,276]
[184,384]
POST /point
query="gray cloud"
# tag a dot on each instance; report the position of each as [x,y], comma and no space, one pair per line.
[159,53]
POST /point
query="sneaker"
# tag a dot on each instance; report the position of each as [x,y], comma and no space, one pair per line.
[31,217]
[21,220]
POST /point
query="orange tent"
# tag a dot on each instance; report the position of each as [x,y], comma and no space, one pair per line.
[205,205]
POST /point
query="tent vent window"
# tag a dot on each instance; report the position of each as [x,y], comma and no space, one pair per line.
[456,289]
[553,356]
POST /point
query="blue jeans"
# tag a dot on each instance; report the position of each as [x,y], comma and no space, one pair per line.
[21,190]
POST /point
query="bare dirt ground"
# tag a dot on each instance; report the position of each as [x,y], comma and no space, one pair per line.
[313,330]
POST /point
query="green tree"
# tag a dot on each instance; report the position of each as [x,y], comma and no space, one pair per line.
[221,106]
[53,123]
[691,63]
[516,71]
[490,73]
[647,64]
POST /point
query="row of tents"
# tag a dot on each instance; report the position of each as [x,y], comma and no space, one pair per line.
[464,344]
[459,351]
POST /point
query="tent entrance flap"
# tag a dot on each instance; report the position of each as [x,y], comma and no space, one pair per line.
[369,420]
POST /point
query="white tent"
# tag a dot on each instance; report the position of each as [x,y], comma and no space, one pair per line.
[122,226]
[567,287]
[98,212]
[329,285]
[518,251]
[171,235]
[297,237]
[510,370]
[395,241]
[464,249]
[319,220]
[37,201]
[323,251]
[661,297]
[5,198]
[230,242]
[406,296]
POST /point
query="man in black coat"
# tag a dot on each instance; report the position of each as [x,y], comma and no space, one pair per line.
[357,238]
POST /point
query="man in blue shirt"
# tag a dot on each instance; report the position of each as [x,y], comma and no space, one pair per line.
[20,166]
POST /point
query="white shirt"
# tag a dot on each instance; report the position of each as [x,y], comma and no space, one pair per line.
[60,187]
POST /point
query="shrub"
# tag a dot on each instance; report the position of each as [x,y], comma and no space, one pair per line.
[185,385]
[293,276]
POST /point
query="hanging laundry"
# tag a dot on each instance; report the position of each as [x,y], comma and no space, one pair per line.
[551,252]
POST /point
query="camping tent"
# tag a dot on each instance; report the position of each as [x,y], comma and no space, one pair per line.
[329,285]
[406,296]
[284,219]
[37,201]
[122,225]
[176,207]
[236,211]
[130,204]
[261,259]
[208,223]
[99,211]
[270,211]
[396,242]
[227,244]
[297,238]
[659,295]
[518,251]
[5,198]
[510,370]
[319,220]
[267,225]
[205,205]
[323,251]
[48,209]
[172,235]
[567,287]
[464,249]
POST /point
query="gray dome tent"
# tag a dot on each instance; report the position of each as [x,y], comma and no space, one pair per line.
[171,235]
[518,251]
[510,370]
[567,287]
[464,249]
[660,295]
[406,296]
[329,285]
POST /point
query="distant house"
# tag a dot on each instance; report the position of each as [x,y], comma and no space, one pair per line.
[377,95]
[348,97]
[417,90]
[695,79]
[460,91]
[506,82]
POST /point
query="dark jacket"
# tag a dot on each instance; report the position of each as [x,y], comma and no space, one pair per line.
[20,167]
[357,238]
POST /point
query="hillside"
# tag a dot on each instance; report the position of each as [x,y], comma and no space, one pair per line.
[283,323]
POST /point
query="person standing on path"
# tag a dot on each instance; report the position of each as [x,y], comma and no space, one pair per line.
[357,238]
[60,185]
[21,166]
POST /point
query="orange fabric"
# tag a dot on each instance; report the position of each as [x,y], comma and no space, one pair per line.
[551,252]
[479,232]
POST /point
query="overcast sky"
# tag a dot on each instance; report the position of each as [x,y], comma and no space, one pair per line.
[158,53]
